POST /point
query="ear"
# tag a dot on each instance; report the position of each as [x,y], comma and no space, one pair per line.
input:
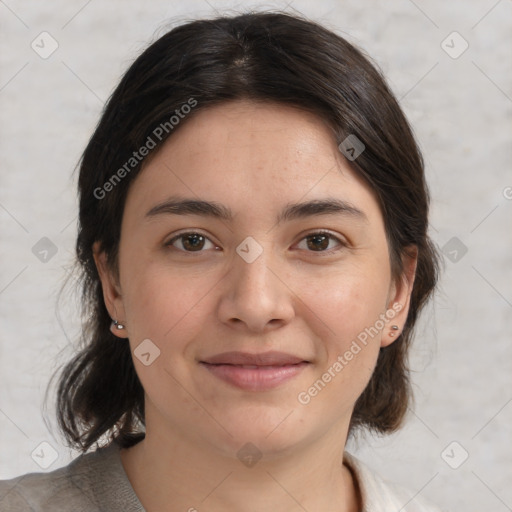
[399,298]
[111,291]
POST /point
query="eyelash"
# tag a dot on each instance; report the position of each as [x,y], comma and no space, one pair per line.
[327,252]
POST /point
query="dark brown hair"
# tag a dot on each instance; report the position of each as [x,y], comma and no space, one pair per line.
[273,57]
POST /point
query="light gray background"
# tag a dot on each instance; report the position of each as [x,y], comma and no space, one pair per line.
[461,111]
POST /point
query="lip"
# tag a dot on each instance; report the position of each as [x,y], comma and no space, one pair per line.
[271,358]
[255,372]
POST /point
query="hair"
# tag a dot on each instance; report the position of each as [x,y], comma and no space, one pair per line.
[263,56]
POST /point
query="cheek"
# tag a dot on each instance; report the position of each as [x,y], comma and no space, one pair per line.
[346,302]
[160,304]
[347,346]
[346,310]
[171,310]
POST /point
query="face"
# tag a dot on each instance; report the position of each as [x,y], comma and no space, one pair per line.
[253,320]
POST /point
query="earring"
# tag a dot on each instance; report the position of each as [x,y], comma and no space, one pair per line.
[117,325]
[395,328]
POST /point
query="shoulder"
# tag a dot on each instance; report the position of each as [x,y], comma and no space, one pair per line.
[80,486]
[379,495]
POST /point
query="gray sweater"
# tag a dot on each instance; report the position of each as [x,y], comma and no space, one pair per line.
[97,482]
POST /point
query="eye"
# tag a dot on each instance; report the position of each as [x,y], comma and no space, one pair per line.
[195,242]
[320,240]
[190,242]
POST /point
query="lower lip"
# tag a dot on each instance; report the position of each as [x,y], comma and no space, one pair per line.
[255,379]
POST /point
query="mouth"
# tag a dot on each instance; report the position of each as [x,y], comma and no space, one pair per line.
[255,372]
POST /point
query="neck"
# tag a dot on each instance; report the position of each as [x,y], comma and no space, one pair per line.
[173,473]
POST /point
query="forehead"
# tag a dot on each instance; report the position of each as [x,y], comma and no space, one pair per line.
[250,155]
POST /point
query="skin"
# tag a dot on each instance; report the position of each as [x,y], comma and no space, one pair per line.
[253,158]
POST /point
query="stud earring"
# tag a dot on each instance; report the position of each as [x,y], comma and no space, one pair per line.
[395,328]
[117,325]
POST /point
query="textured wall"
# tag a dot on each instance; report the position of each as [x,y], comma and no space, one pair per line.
[460,105]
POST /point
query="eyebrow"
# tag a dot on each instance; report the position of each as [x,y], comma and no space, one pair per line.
[292,211]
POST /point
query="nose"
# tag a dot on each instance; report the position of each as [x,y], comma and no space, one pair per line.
[255,295]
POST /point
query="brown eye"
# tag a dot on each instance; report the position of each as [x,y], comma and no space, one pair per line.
[189,242]
[319,242]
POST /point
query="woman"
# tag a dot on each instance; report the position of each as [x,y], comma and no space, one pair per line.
[254,252]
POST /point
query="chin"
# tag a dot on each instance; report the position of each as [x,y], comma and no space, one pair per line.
[272,432]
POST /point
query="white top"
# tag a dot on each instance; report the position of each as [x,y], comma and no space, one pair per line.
[97,482]
[378,495]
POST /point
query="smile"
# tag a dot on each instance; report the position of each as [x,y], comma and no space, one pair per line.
[255,378]
[255,372]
